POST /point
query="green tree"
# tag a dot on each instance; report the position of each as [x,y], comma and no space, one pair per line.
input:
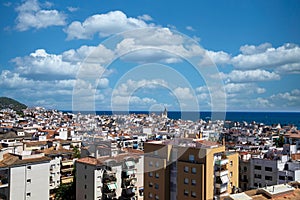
[66,192]
[76,152]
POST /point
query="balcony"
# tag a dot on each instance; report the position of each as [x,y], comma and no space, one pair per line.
[109,177]
[129,192]
[109,190]
[222,162]
[222,173]
[221,188]
[129,165]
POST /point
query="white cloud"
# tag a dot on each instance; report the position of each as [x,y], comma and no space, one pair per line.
[183,93]
[219,57]
[292,96]
[251,49]
[31,15]
[130,86]
[266,56]
[249,76]
[103,24]
[145,17]
[118,101]
[72,9]
[12,80]
[42,63]
[189,28]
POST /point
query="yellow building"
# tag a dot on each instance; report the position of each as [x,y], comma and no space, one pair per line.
[189,169]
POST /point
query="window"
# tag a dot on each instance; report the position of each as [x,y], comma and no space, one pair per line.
[85,166]
[85,197]
[150,184]
[150,174]
[186,181]
[84,176]
[191,157]
[194,171]
[186,193]
[156,197]
[85,186]
[28,194]
[186,169]
[281,177]
[290,178]
[193,194]
[230,174]
[156,186]
[28,180]
[156,175]
[269,169]
[150,163]
[231,163]
[269,178]
[257,176]
[155,153]
[29,167]
[245,169]
[257,167]
[193,182]
[157,164]
[150,195]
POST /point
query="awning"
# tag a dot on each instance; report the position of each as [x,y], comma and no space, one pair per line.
[224,179]
[130,172]
[65,163]
[129,163]
[112,186]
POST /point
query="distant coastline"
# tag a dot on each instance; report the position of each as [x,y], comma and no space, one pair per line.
[268,118]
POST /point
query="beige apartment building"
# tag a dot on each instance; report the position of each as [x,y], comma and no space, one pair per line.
[188,169]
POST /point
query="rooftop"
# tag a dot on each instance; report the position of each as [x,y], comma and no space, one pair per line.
[10,160]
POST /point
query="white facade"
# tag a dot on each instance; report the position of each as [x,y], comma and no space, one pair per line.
[55,172]
[30,181]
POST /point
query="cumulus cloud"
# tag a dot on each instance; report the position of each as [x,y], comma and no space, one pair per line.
[219,57]
[31,15]
[266,56]
[145,17]
[183,93]
[104,25]
[42,63]
[130,86]
[249,76]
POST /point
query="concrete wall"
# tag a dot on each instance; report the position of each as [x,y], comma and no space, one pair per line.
[31,183]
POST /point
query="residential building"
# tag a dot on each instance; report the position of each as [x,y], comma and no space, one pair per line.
[106,177]
[189,169]
[24,177]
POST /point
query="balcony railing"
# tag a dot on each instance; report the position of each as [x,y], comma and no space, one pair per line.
[222,162]
[222,173]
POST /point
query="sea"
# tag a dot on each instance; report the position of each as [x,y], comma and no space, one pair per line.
[267,118]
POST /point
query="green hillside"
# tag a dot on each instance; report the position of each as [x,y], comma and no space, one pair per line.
[6,102]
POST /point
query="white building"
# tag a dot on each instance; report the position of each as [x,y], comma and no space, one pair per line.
[24,177]
[108,177]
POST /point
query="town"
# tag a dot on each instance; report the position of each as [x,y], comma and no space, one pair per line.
[46,154]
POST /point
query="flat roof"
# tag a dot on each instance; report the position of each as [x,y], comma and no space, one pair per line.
[277,189]
[240,196]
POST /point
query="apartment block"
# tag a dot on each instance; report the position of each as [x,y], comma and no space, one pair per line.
[189,169]
[24,177]
[106,177]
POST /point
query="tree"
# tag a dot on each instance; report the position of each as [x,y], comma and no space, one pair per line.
[66,192]
[76,152]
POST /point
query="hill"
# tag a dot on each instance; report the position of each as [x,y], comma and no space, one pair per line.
[6,102]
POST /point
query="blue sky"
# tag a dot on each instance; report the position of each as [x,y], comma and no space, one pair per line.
[254,45]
